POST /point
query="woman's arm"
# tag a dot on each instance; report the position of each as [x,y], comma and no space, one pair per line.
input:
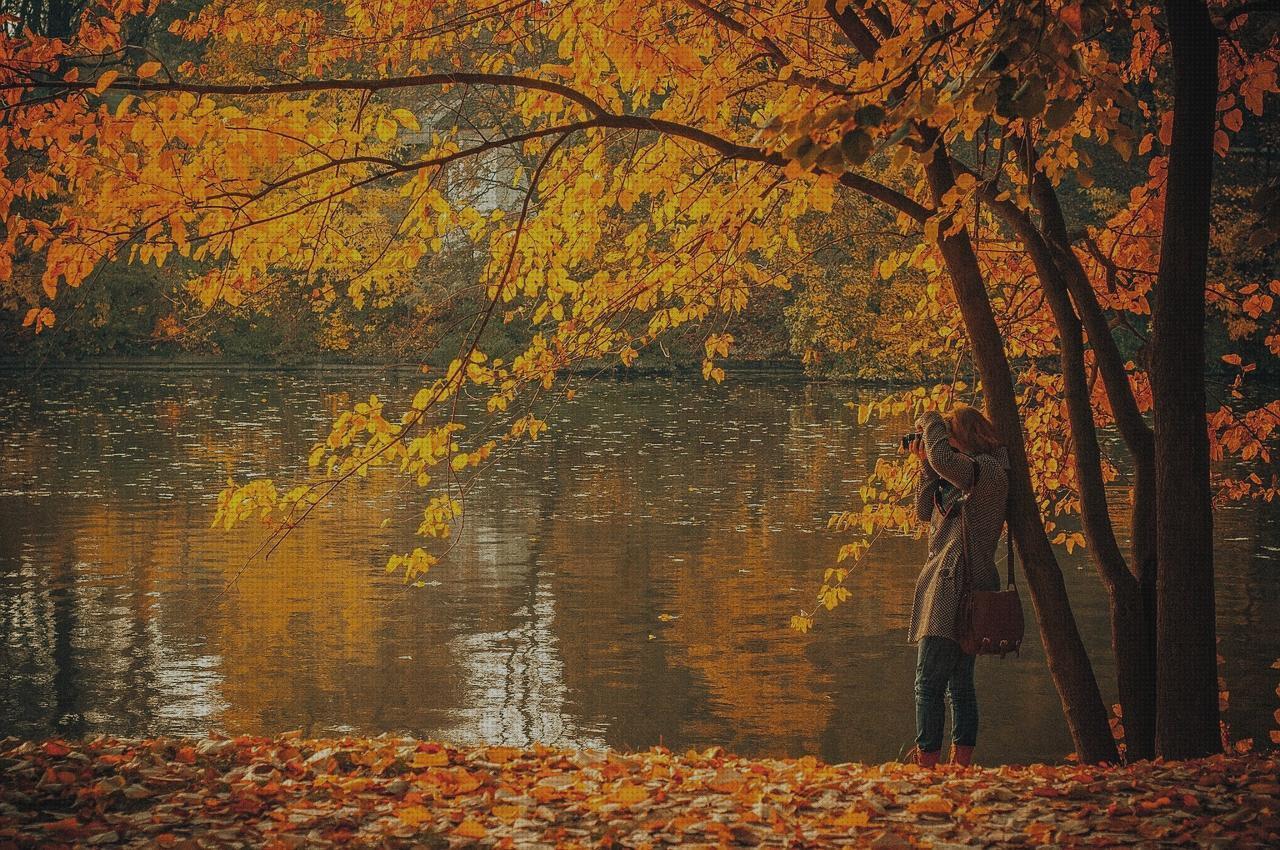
[926,486]
[949,463]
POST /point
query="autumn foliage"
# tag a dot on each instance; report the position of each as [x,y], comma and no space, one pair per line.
[664,164]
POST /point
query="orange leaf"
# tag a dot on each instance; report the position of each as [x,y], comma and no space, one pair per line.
[629,795]
[105,81]
[725,782]
[932,805]
[1072,17]
[413,815]
[852,818]
[436,759]
[471,829]
[501,755]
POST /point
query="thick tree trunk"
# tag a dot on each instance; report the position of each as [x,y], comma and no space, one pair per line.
[1064,650]
[1186,683]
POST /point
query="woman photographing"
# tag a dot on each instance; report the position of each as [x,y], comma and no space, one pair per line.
[962,493]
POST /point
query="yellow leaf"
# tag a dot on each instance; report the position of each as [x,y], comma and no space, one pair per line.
[471,829]
[852,818]
[413,815]
[147,70]
[385,129]
[406,118]
[629,795]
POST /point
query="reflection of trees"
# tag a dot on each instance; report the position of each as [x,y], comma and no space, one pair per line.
[42,670]
[646,498]
[705,506]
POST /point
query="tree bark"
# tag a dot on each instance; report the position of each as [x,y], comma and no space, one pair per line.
[1186,677]
[1131,630]
[1139,715]
[1115,380]
[1064,650]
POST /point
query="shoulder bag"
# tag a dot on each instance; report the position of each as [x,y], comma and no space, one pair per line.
[990,621]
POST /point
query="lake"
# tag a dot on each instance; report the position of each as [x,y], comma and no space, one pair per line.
[626,580]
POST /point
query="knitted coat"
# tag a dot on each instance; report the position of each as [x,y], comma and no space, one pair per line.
[939,593]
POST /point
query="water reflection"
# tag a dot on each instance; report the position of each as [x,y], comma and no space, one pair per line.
[624,581]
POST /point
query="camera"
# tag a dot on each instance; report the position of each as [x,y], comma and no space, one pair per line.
[908,441]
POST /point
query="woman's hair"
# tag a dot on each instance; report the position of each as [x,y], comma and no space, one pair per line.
[972,429]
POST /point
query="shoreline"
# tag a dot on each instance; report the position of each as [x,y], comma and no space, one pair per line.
[617,372]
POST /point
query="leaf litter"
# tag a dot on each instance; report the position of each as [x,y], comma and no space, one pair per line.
[288,792]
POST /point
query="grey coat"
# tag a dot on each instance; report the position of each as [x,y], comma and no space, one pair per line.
[939,593]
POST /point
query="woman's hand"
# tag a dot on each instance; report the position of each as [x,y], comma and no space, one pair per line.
[917,447]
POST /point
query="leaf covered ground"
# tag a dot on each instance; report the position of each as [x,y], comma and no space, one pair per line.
[291,792]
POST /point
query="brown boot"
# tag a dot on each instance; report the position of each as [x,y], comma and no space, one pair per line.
[961,756]
[929,760]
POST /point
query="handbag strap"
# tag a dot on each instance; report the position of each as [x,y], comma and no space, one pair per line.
[1008,537]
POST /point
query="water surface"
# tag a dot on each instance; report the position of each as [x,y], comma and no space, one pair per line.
[624,581]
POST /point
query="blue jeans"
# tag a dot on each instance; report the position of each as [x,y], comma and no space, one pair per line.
[944,670]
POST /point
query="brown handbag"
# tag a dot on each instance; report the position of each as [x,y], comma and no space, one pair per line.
[990,620]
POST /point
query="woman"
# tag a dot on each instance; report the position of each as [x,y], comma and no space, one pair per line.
[959,455]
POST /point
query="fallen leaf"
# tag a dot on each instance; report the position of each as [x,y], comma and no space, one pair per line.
[413,815]
[931,805]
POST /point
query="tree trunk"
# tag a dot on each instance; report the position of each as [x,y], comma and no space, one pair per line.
[1135,677]
[1140,717]
[1064,650]
[1186,677]
[1134,640]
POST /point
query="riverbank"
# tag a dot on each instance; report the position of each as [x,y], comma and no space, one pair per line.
[289,792]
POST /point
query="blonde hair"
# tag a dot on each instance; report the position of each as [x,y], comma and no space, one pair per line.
[972,429]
